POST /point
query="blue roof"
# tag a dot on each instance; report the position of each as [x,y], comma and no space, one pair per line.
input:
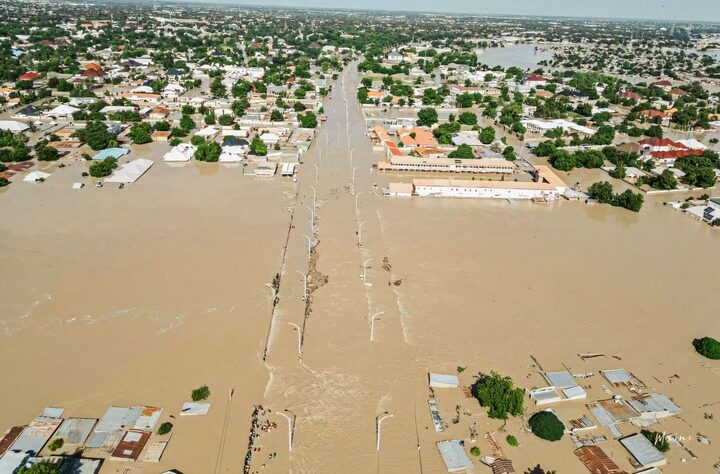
[111,153]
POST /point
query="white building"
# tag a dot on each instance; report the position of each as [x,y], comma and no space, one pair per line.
[182,152]
[548,187]
[542,126]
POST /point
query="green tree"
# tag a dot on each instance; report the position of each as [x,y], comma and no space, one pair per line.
[96,135]
[427,117]
[258,147]
[141,133]
[499,394]
[45,152]
[509,153]
[43,467]
[538,470]
[545,425]
[629,200]
[708,347]
[209,152]
[487,135]
[468,118]
[659,440]
[601,191]
[200,393]
[187,123]
[308,119]
[463,151]
[226,120]
[165,428]
[276,116]
[103,168]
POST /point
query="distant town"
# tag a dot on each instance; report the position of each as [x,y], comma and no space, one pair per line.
[221,252]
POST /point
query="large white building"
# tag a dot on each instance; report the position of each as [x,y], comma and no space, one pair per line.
[543,126]
[547,186]
[450,165]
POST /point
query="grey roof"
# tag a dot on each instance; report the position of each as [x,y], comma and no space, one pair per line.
[35,435]
[561,379]
[654,403]
[73,465]
[11,461]
[111,423]
[76,430]
[454,456]
[643,450]
[617,376]
[443,380]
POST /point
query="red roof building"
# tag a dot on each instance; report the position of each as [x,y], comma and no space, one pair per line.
[30,76]
[92,73]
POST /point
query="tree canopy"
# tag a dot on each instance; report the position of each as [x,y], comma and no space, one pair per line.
[547,426]
[499,394]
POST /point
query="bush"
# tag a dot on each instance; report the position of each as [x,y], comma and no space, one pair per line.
[657,439]
[43,467]
[475,451]
[165,428]
[708,347]
[512,440]
[56,444]
[201,393]
[545,425]
[103,168]
[499,394]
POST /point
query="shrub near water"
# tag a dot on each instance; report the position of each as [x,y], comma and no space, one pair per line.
[201,393]
[165,428]
[657,439]
[499,394]
[545,425]
[708,347]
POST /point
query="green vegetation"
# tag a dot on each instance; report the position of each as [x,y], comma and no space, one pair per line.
[258,147]
[43,152]
[141,133]
[699,170]
[499,394]
[200,393]
[308,119]
[96,135]
[209,152]
[463,151]
[475,451]
[657,439]
[103,168]
[56,444]
[487,135]
[512,440]
[165,428]
[43,467]
[427,117]
[468,118]
[602,191]
[708,347]
[545,425]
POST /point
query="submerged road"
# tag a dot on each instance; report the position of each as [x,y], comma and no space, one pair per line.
[337,384]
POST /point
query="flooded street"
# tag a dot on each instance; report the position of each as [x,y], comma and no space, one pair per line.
[138,296]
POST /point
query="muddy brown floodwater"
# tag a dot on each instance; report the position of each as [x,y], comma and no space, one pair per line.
[136,296]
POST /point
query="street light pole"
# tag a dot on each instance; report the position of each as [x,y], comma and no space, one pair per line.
[314,197]
[356,201]
[291,425]
[305,288]
[317,169]
[365,267]
[378,425]
[353,178]
[360,233]
[299,339]
[375,317]
[312,220]
[309,241]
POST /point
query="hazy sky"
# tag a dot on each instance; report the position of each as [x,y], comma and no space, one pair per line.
[693,10]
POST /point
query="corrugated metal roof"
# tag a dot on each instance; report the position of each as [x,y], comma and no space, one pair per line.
[454,456]
[643,450]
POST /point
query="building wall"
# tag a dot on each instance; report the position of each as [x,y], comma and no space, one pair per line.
[485,193]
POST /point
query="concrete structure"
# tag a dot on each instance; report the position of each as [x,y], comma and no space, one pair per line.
[449,165]
[548,187]
[643,451]
[542,126]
